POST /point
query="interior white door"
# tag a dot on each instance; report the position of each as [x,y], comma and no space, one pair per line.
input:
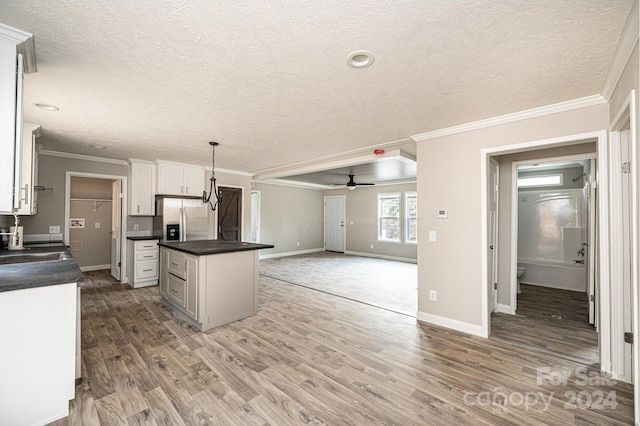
[115,228]
[492,258]
[590,245]
[255,216]
[334,224]
[628,291]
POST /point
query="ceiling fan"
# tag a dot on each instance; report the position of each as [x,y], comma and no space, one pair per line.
[351,185]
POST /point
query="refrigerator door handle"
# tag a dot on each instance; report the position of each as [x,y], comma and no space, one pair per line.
[183,225]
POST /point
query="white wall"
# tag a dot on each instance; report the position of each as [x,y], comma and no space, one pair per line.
[52,174]
[361,221]
[290,215]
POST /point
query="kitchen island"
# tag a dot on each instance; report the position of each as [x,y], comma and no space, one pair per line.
[209,283]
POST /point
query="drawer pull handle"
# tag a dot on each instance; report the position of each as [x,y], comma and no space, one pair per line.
[147,270]
[174,290]
[174,264]
[147,256]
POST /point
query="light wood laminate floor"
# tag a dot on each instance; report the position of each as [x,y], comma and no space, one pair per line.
[550,320]
[311,358]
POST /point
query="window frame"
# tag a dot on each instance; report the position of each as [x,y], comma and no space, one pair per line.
[408,217]
[520,181]
[389,195]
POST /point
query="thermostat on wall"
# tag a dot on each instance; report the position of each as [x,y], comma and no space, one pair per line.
[442,214]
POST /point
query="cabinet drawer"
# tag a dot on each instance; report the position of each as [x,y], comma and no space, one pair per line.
[146,269]
[146,245]
[176,263]
[146,254]
[177,289]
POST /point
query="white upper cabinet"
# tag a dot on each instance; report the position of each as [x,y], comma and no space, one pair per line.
[26,195]
[142,188]
[17,56]
[180,179]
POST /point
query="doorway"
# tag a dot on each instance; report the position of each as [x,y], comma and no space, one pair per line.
[95,225]
[566,145]
[334,214]
[230,214]
[553,228]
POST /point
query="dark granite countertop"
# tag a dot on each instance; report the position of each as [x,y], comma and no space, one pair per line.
[207,247]
[144,238]
[20,276]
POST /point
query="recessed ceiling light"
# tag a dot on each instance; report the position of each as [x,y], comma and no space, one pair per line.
[98,147]
[46,107]
[360,59]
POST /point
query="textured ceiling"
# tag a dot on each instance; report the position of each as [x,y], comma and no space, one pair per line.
[269,80]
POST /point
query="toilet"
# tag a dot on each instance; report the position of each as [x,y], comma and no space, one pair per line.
[521,271]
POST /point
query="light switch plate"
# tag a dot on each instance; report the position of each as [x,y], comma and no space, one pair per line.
[97,225]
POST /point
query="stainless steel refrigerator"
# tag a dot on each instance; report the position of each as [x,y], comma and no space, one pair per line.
[181,219]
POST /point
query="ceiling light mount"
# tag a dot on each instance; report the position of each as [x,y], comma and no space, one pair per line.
[360,59]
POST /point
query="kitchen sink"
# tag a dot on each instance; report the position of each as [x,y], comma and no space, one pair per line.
[34,257]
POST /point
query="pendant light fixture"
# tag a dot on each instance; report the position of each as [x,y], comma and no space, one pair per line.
[213,189]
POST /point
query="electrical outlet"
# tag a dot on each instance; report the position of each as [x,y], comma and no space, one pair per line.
[432,236]
[54,229]
[298,244]
[433,295]
[371,246]
[136,227]
[97,225]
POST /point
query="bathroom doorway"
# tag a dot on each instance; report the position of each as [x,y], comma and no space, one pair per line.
[554,211]
[556,225]
[532,325]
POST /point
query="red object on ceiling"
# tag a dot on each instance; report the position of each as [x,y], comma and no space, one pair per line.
[378,151]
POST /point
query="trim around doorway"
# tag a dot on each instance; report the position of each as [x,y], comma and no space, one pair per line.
[601,141]
[124,208]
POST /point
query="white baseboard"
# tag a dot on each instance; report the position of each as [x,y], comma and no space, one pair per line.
[290,253]
[95,267]
[464,327]
[382,256]
[505,309]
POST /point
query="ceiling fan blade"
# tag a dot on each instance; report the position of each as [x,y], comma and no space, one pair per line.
[362,184]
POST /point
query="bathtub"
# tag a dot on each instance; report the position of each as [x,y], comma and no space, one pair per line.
[554,274]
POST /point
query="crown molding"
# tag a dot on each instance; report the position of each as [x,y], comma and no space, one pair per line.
[510,118]
[82,157]
[230,171]
[339,160]
[25,45]
[294,184]
[319,163]
[626,44]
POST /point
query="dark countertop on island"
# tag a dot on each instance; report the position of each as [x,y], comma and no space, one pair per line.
[207,247]
[20,276]
[144,238]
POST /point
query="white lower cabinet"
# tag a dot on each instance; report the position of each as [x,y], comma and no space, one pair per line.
[142,263]
[39,352]
[179,284]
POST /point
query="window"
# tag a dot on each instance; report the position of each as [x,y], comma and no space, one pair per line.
[540,180]
[411,217]
[389,217]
